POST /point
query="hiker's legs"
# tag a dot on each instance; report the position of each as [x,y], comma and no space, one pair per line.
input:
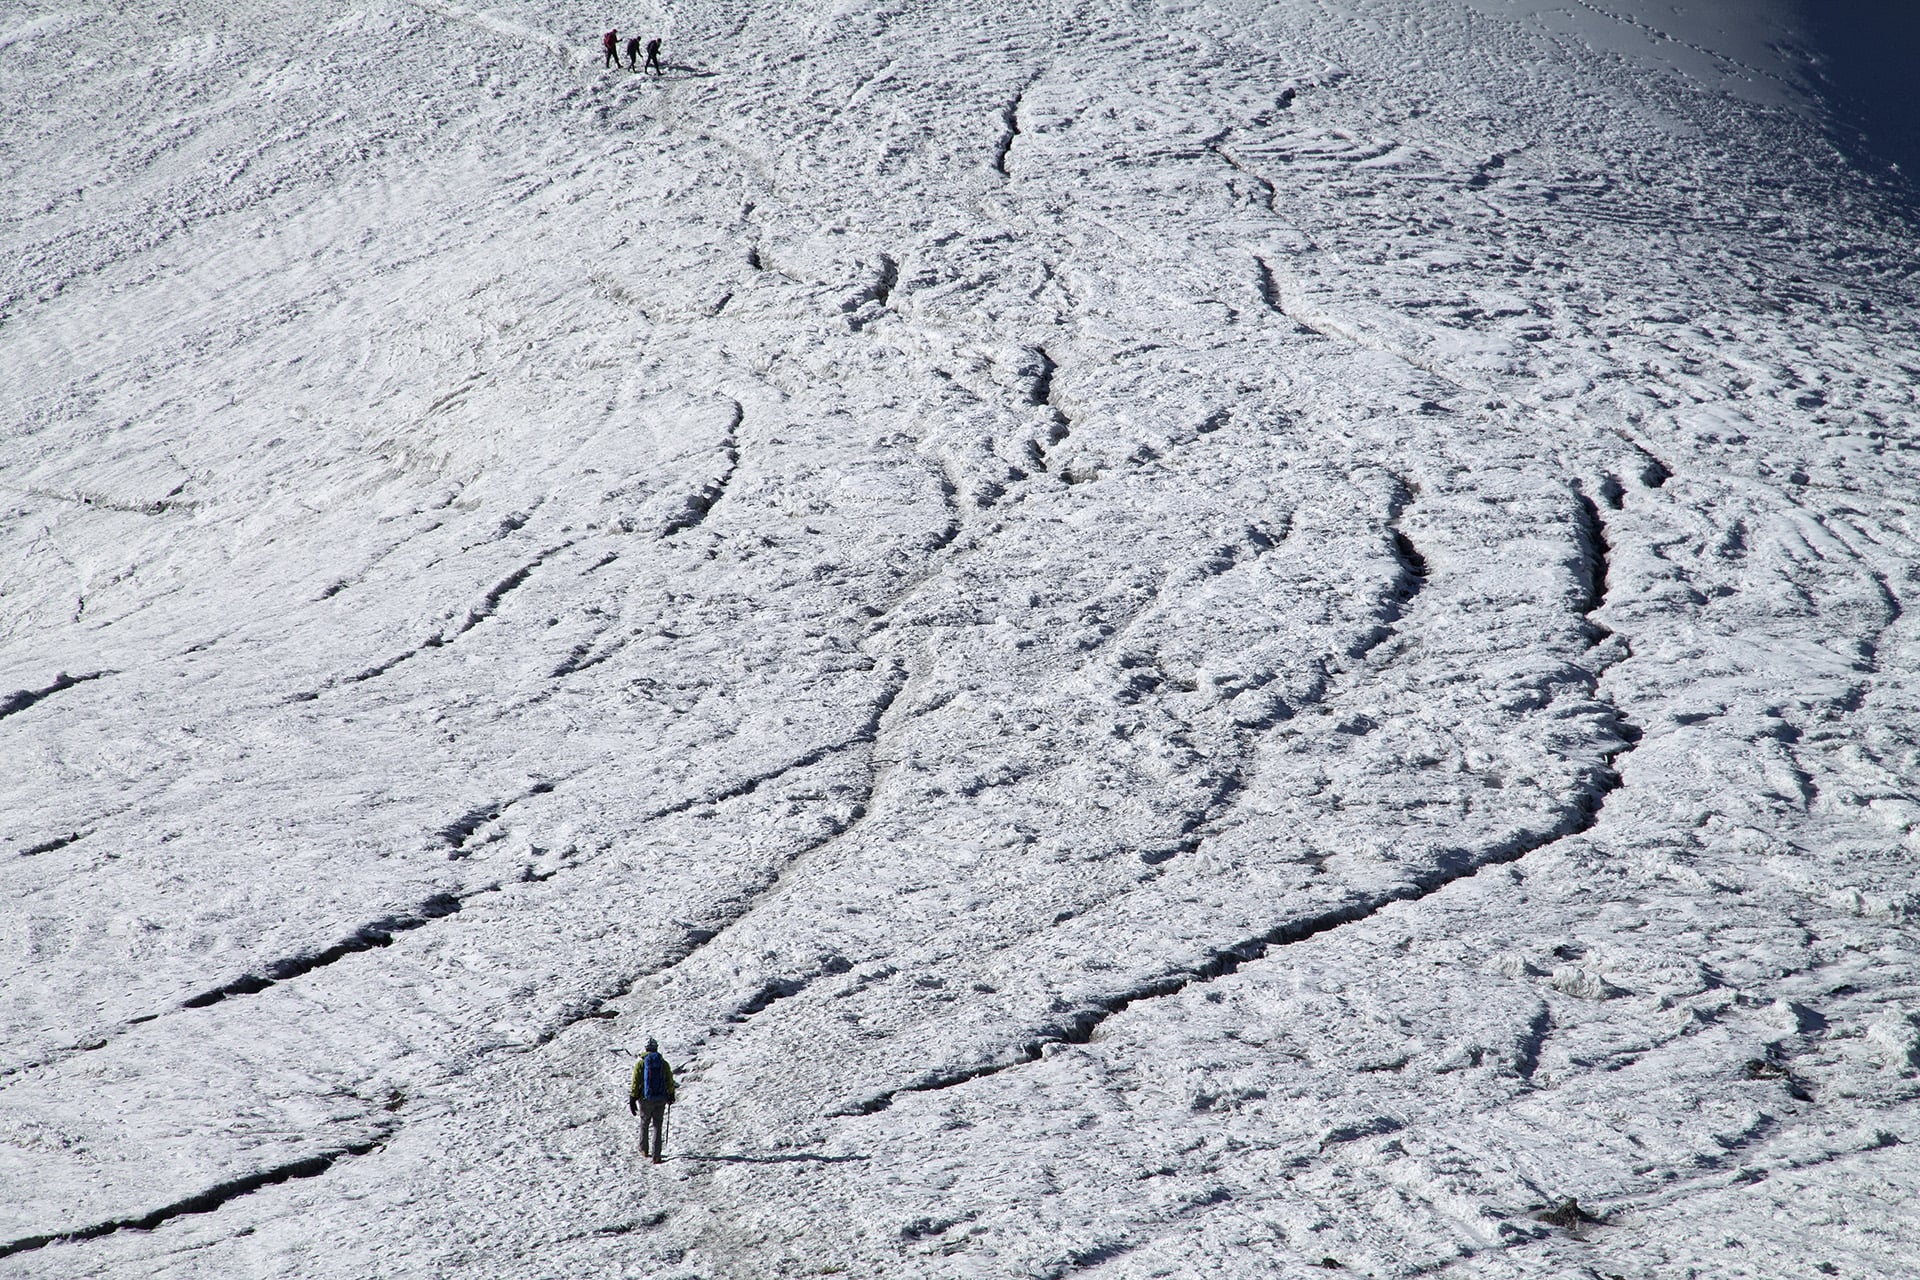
[653,1115]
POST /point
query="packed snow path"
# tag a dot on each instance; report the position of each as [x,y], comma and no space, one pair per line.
[1153,640]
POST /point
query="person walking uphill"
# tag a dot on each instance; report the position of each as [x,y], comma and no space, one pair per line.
[653,56]
[610,45]
[651,1095]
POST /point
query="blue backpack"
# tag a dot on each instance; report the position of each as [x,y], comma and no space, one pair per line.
[655,1079]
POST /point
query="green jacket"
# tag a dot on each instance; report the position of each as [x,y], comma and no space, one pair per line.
[655,1084]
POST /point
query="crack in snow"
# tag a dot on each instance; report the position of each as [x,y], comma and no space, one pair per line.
[19,700]
[155,507]
[379,933]
[48,846]
[1009,128]
[868,302]
[1594,560]
[476,614]
[479,613]
[1526,1059]
[212,1198]
[457,833]
[700,504]
[868,736]
[699,938]
[1600,782]
[1041,394]
[1079,1027]
[339,585]
[1270,193]
[1245,734]
[1283,295]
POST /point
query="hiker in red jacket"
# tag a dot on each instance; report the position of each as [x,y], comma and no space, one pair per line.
[610,45]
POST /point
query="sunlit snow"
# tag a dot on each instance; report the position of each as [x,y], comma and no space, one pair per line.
[1154,639]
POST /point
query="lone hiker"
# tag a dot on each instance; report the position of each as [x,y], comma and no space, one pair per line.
[633,54]
[610,45]
[653,56]
[651,1095]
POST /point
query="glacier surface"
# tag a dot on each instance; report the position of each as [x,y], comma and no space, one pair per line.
[1154,638]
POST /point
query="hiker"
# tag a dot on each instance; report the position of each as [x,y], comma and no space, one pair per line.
[610,45]
[633,54]
[653,56]
[651,1095]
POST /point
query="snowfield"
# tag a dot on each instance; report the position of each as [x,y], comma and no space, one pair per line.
[1154,639]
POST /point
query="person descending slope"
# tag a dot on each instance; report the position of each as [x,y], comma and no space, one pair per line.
[610,45]
[633,54]
[653,56]
[651,1095]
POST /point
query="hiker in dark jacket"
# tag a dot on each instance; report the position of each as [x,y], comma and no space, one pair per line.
[633,54]
[651,1095]
[653,56]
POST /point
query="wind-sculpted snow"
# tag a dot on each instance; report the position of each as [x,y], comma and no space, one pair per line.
[1152,640]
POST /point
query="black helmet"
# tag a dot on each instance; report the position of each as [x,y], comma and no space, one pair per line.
[653,1046]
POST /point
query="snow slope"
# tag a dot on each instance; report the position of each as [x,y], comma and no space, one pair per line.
[1154,639]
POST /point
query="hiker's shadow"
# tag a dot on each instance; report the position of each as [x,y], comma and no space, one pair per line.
[794,1157]
[680,71]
